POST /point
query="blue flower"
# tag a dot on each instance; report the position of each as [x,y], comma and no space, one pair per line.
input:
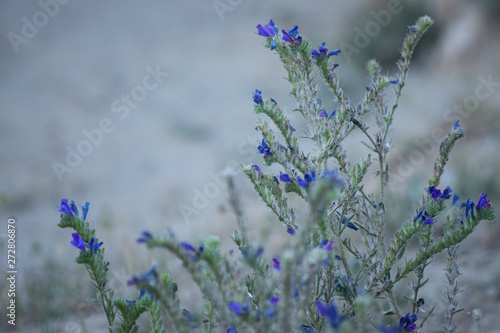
[290,231]
[457,125]
[408,322]
[264,148]
[145,292]
[284,177]
[310,177]
[146,236]
[93,245]
[446,193]
[292,36]
[231,330]
[257,98]
[85,210]
[150,277]
[74,209]
[330,312]
[455,199]
[78,241]
[301,182]
[236,308]
[434,192]
[277,264]
[305,329]
[267,31]
[64,207]
[483,202]
[394,81]
[323,52]
[130,304]
[469,206]
[291,128]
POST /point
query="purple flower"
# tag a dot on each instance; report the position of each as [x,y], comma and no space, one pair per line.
[430,220]
[446,193]
[64,207]
[150,277]
[274,300]
[408,322]
[146,236]
[323,114]
[236,308]
[325,244]
[290,231]
[257,98]
[323,52]
[434,192]
[301,182]
[292,36]
[330,312]
[421,216]
[188,247]
[284,177]
[277,264]
[310,177]
[469,206]
[85,210]
[78,241]
[93,245]
[74,209]
[264,148]
[267,31]
[482,202]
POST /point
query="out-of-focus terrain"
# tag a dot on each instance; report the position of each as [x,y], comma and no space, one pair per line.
[162,150]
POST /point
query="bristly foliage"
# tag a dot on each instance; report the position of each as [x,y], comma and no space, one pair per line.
[339,272]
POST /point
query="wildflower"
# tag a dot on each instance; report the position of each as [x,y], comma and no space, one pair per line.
[150,276]
[78,241]
[325,244]
[85,210]
[323,52]
[64,208]
[456,126]
[267,31]
[236,308]
[305,329]
[231,330]
[423,216]
[408,322]
[264,148]
[284,177]
[74,209]
[469,205]
[455,199]
[257,98]
[277,264]
[271,310]
[256,168]
[290,231]
[130,304]
[291,128]
[434,192]
[146,237]
[301,182]
[310,177]
[394,81]
[145,292]
[482,202]
[292,36]
[446,193]
[93,245]
[330,312]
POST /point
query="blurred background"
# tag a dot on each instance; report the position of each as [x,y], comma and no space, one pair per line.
[138,107]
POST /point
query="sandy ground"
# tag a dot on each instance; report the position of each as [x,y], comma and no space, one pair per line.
[155,99]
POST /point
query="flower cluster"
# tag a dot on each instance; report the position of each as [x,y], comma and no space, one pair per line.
[72,210]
